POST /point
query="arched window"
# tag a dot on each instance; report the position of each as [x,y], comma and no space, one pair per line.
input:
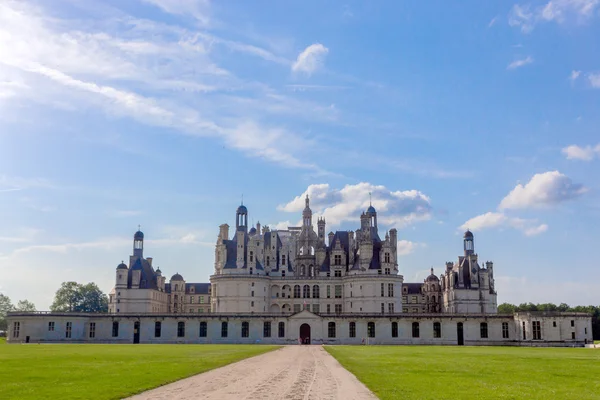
[415,329]
[297,291]
[371,329]
[157,328]
[224,329]
[302,270]
[281,329]
[316,293]
[245,329]
[180,329]
[352,329]
[394,329]
[203,329]
[306,292]
[331,329]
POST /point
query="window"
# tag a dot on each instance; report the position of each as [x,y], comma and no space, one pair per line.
[405,299]
[391,308]
[268,261]
[386,257]
[437,330]
[92,330]
[68,330]
[382,308]
[251,271]
[224,329]
[281,329]
[414,300]
[337,274]
[537,330]
[382,287]
[201,310]
[245,329]
[394,329]
[338,291]
[115,329]
[191,299]
[283,274]
[203,329]
[378,272]
[252,294]
[297,291]
[352,329]
[554,324]
[328,308]
[405,309]
[316,293]
[297,308]
[390,290]
[338,308]
[16,329]
[572,322]
[251,304]
[267,329]
[331,329]
[181,329]
[524,332]
[573,335]
[337,259]
[483,330]
[306,291]
[371,329]
[157,328]
[328,291]
[51,326]
[283,259]
[251,256]
[505,330]
[316,308]
[388,271]
[415,329]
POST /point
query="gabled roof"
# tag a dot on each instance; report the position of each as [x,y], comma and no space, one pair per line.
[413,288]
[147,274]
[199,288]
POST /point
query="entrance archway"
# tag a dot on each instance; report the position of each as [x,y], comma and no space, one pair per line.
[305,334]
[460,334]
[136,332]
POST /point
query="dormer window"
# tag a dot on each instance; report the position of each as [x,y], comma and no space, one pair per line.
[337,259]
[283,259]
[268,261]
[251,256]
[387,257]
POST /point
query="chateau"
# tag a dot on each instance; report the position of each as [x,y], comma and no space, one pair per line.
[302,286]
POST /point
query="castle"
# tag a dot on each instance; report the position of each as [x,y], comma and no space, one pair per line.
[300,286]
[285,271]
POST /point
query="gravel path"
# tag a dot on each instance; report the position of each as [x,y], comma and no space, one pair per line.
[292,372]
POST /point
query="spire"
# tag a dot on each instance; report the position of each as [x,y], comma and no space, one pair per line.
[370,199]
[307,201]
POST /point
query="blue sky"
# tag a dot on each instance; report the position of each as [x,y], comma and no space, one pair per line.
[164,112]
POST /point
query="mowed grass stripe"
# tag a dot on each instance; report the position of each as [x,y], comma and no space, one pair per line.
[436,372]
[88,371]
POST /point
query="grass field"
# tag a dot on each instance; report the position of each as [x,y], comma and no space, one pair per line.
[74,371]
[435,372]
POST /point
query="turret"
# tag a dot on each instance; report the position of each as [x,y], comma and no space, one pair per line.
[468,243]
[138,244]
[307,213]
[321,229]
[241,218]
[121,276]
[224,232]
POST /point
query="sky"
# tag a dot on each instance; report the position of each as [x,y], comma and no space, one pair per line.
[165,113]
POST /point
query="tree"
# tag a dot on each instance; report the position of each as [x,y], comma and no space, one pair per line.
[5,307]
[25,306]
[75,297]
[506,308]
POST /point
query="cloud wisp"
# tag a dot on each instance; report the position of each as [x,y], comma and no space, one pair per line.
[520,63]
[310,59]
[525,17]
[587,153]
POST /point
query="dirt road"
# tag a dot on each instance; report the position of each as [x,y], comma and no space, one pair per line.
[292,372]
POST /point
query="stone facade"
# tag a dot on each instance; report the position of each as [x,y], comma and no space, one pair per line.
[541,329]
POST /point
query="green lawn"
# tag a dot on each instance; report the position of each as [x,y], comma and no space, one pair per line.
[87,371]
[435,372]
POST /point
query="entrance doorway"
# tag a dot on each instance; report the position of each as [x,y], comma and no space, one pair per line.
[460,334]
[136,332]
[305,334]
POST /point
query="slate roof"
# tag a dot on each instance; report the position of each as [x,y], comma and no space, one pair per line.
[413,288]
[147,276]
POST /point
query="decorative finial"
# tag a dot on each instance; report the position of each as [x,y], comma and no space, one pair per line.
[370,199]
[139,227]
[242,198]
[431,270]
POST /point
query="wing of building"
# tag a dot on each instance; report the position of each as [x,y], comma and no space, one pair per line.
[316,283]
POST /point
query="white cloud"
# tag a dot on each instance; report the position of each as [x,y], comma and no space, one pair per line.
[394,208]
[492,22]
[574,75]
[560,11]
[406,247]
[311,59]
[587,153]
[594,79]
[545,189]
[520,63]
[529,227]
[199,9]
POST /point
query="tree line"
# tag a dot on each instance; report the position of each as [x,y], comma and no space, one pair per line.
[507,308]
[70,297]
